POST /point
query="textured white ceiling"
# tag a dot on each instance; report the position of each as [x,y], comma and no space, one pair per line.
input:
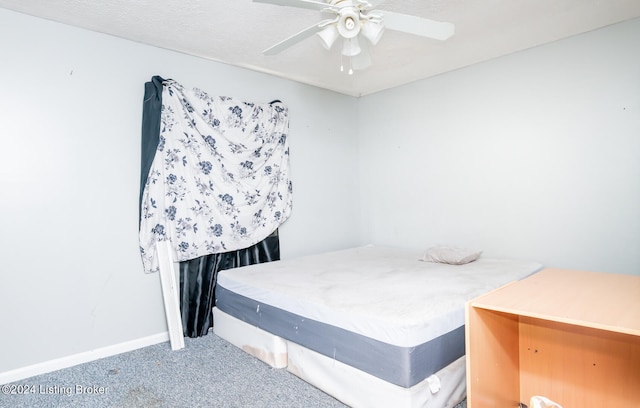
[236,31]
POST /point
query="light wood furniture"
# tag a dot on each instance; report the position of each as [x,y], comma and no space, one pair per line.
[571,336]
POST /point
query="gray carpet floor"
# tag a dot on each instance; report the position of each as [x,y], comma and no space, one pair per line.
[208,372]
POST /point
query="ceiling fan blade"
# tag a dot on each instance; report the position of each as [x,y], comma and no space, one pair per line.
[308,4]
[296,38]
[417,25]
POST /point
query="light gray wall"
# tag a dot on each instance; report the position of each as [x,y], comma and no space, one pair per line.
[70,118]
[535,155]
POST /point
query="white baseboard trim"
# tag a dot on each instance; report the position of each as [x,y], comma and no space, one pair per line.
[80,358]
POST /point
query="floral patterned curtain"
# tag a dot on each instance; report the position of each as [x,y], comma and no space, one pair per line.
[219,180]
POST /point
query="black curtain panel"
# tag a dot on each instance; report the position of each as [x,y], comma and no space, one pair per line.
[198,281]
[197,276]
[151,115]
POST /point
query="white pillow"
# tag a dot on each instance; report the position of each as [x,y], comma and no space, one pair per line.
[450,255]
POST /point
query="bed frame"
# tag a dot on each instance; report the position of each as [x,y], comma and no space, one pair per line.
[345,383]
[348,323]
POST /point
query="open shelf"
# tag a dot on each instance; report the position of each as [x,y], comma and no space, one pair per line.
[571,336]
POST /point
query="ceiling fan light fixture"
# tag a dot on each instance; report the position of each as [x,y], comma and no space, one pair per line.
[372,31]
[350,47]
[329,36]
[362,60]
[349,23]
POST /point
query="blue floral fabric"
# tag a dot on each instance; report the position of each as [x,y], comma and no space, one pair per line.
[219,180]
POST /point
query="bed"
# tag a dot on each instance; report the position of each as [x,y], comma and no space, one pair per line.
[371,326]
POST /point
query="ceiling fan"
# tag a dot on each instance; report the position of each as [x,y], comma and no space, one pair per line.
[357,22]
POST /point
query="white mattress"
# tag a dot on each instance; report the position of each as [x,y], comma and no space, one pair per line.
[386,294]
